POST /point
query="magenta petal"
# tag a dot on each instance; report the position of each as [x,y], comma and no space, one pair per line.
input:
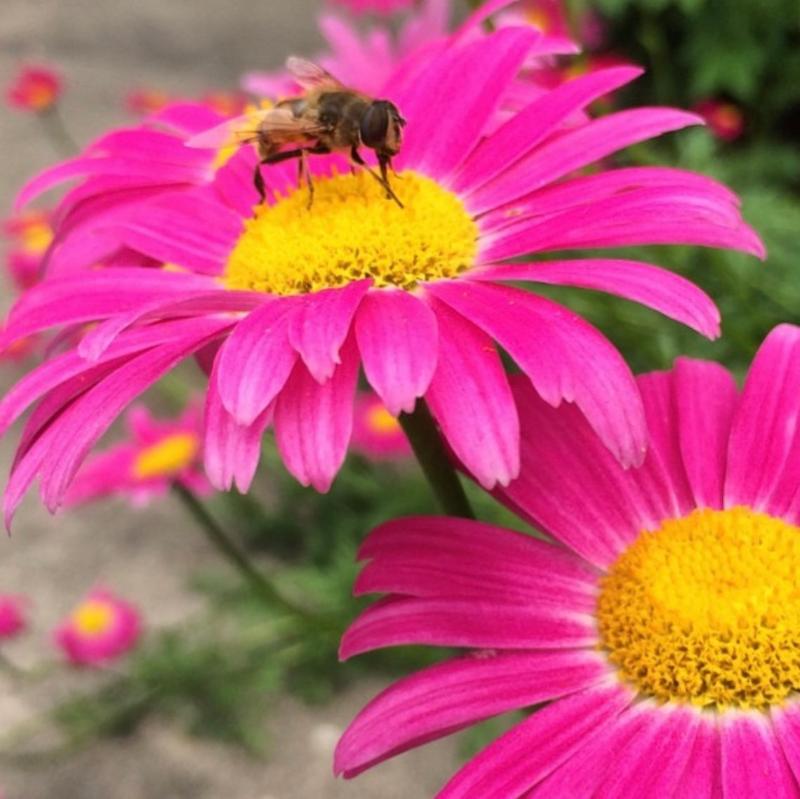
[397,336]
[786,724]
[650,285]
[472,623]
[471,400]
[706,398]
[764,448]
[438,557]
[564,357]
[231,450]
[528,128]
[320,325]
[702,778]
[256,360]
[753,763]
[525,755]
[313,421]
[449,696]
[575,149]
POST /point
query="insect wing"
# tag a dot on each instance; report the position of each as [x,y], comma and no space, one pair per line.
[238,130]
[310,75]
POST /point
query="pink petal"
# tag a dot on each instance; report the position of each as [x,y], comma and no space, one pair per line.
[436,144]
[471,623]
[534,123]
[564,357]
[233,182]
[255,362]
[438,557]
[706,398]
[753,763]
[397,336]
[786,724]
[526,754]
[764,448]
[657,288]
[320,325]
[231,450]
[702,778]
[313,422]
[470,398]
[447,697]
[575,149]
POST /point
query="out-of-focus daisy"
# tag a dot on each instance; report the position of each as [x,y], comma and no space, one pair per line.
[35,88]
[157,454]
[29,234]
[289,302]
[374,6]
[100,630]
[376,432]
[724,119]
[146,101]
[13,615]
[659,633]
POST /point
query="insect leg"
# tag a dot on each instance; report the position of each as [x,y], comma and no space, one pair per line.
[258,182]
[355,156]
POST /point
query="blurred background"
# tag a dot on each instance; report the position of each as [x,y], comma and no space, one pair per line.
[209,704]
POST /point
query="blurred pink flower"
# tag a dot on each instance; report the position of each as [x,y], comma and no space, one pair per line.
[157,454]
[34,88]
[655,632]
[13,615]
[30,234]
[725,120]
[384,7]
[146,101]
[376,433]
[100,630]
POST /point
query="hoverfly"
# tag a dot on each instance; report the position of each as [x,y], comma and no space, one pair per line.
[327,118]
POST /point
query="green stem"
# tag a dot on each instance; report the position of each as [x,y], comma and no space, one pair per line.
[235,556]
[57,132]
[427,444]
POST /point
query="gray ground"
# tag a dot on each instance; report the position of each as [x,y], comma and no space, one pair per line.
[186,46]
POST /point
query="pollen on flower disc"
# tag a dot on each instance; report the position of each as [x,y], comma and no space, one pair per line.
[706,610]
[352,232]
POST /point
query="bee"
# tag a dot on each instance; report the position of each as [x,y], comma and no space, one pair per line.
[327,118]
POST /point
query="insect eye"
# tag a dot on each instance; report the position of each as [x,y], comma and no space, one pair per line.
[375,124]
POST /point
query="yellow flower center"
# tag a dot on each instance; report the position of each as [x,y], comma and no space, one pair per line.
[169,456]
[35,237]
[706,610]
[93,618]
[382,422]
[352,231]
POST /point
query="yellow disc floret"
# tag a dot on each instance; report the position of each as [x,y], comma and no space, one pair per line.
[706,610]
[92,618]
[352,231]
[169,456]
[382,422]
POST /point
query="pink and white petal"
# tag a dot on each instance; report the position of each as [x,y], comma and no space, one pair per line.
[702,777]
[437,143]
[534,123]
[786,724]
[564,357]
[706,398]
[575,149]
[438,557]
[319,326]
[255,361]
[231,450]
[470,623]
[452,695]
[753,763]
[397,336]
[764,448]
[526,754]
[233,182]
[102,476]
[313,421]
[471,400]
[653,761]
[657,288]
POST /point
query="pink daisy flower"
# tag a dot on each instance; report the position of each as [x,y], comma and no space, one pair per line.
[13,615]
[157,454]
[30,235]
[376,433]
[384,7]
[725,120]
[659,631]
[100,630]
[286,305]
[34,88]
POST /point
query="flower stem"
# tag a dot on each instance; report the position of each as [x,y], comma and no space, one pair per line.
[57,132]
[235,556]
[429,449]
